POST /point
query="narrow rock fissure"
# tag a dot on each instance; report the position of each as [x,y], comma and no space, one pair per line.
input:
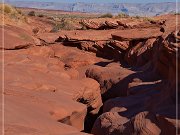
[90,120]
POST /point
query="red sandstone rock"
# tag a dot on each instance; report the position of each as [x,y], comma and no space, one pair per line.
[111,24]
[137,34]
[91,24]
[73,57]
[140,52]
[122,24]
[108,77]
[15,38]
[43,85]
[120,46]
[158,98]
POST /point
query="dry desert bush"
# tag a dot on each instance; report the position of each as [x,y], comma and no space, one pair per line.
[12,12]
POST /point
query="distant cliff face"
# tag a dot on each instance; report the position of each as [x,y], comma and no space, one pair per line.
[150,9]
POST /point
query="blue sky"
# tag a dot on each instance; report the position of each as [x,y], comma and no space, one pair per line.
[105,1]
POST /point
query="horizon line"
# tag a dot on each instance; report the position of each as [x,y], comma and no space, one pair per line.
[46,1]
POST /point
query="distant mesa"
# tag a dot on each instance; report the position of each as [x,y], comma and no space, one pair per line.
[144,9]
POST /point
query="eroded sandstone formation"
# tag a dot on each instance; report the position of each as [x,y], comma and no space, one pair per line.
[150,104]
[119,78]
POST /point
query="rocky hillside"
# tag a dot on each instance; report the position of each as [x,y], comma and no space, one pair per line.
[148,9]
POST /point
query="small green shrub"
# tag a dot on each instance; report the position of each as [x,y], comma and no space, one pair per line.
[19,11]
[25,19]
[62,25]
[148,19]
[50,18]
[32,13]
[7,9]
[12,12]
[14,15]
[108,15]
[55,28]
[41,15]
[137,17]
[122,15]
